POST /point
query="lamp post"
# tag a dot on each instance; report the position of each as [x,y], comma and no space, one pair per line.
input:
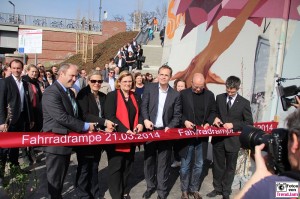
[14,9]
[100,9]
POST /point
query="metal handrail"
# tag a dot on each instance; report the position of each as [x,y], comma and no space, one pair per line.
[51,22]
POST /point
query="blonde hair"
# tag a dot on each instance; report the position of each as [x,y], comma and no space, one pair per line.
[31,66]
[123,74]
[93,72]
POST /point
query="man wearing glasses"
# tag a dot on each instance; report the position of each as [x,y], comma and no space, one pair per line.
[233,111]
[198,109]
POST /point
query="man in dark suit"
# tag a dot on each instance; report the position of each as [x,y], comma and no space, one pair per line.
[60,113]
[14,95]
[121,63]
[161,110]
[198,108]
[111,79]
[233,111]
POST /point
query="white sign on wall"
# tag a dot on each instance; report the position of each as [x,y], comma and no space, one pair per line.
[30,41]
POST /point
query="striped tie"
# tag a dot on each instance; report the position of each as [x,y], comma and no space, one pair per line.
[229,103]
[73,102]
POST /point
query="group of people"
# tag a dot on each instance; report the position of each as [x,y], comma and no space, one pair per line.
[131,107]
[129,57]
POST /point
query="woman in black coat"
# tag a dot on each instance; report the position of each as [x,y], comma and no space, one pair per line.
[122,107]
[91,105]
[139,55]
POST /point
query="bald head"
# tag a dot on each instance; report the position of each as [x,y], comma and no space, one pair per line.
[198,78]
[198,82]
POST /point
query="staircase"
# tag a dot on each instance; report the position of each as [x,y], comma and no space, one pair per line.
[153,52]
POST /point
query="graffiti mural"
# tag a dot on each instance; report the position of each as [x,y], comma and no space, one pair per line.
[232,37]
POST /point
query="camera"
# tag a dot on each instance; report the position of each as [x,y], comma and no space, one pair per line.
[287,94]
[281,187]
[276,145]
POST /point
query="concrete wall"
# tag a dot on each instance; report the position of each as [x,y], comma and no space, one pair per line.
[60,44]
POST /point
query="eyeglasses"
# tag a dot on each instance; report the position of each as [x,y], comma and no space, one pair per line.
[98,81]
[198,87]
[111,72]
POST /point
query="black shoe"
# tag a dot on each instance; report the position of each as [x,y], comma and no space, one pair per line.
[226,197]
[213,194]
[147,194]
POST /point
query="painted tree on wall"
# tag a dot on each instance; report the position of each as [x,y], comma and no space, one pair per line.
[199,11]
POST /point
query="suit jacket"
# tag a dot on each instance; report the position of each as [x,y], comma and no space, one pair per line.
[37,110]
[10,95]
[88,109]
[239,115]
[59,116]
[82,82]
[123,62]
[188,113]
[140,52]
[172,107]
[89,112]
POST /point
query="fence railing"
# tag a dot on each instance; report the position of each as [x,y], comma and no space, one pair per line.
[51,22]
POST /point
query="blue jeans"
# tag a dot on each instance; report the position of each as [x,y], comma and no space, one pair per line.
[190,173]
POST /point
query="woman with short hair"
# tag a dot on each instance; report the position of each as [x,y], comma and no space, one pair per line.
[122,107]
[90,108]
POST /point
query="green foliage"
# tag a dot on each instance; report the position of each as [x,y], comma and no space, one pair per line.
[16,181]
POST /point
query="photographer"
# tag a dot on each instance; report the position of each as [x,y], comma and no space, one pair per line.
[298,102]
[263,184]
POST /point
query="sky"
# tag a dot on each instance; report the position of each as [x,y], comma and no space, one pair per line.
[76,9]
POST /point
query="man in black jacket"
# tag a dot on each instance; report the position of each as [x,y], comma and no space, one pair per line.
[162,36]
[198,108]
[121,63]
[60,114]
[233,111]
[14,95]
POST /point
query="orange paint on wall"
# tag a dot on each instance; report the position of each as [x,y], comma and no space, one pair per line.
[173,21]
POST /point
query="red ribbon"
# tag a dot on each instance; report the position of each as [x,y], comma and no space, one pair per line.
[25,139]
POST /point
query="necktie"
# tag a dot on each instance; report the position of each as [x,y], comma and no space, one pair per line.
[73,102]
[229,103]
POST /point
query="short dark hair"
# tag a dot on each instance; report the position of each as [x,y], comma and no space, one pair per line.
[165,66]
[137,74]
[17,61]
[293,123]
[233,82]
